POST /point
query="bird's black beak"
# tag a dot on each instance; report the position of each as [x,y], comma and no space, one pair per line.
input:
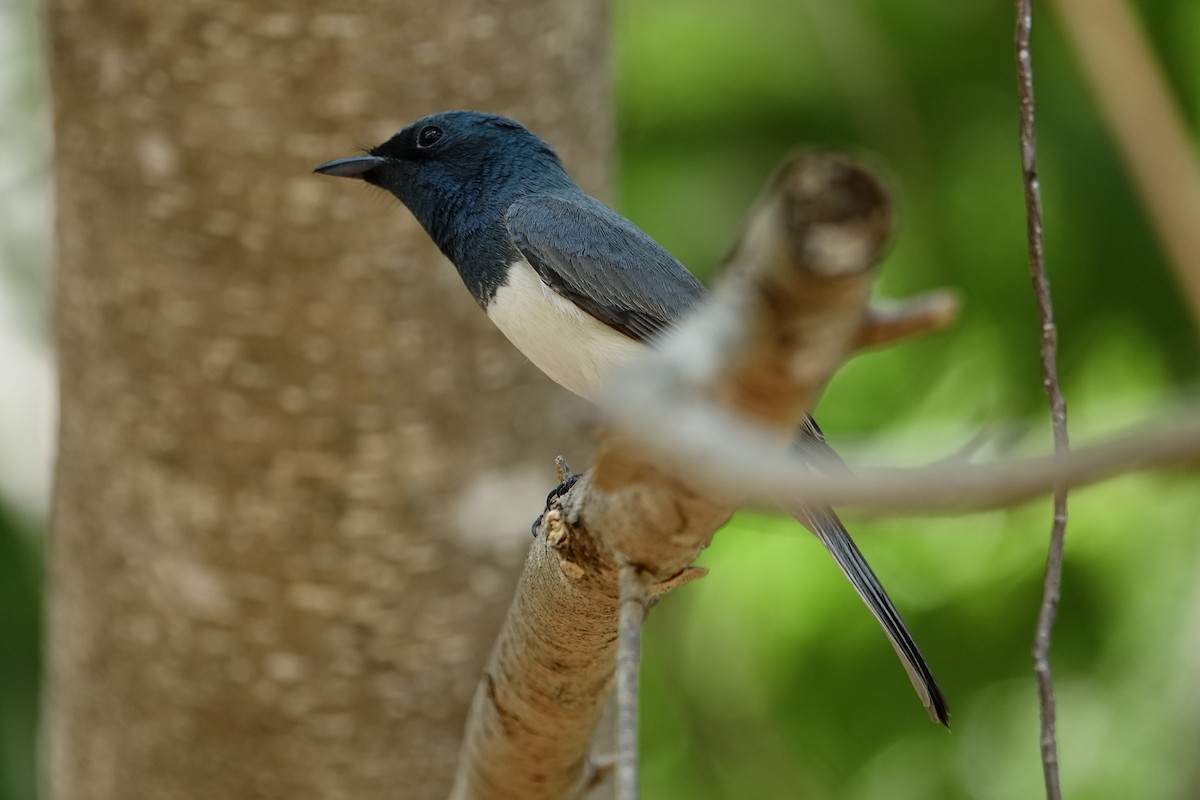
[353,167]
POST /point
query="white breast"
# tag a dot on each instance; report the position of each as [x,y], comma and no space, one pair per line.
[573,348]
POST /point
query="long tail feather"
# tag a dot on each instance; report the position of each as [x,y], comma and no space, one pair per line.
[829,529]
[833,534]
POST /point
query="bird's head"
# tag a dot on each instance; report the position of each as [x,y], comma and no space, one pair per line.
[456,162]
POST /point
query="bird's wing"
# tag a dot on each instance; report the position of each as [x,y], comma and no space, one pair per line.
[602,262]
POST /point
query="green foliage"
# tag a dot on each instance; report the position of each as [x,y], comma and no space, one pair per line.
[20,625]
[769,679]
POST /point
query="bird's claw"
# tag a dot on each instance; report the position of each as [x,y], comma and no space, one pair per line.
[555,493]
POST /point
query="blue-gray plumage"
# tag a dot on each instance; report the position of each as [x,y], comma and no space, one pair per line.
[575,286]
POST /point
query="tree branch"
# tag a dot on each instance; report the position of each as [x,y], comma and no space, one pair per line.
[531,721]
[789,312]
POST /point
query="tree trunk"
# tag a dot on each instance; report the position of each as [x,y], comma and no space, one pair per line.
[296,464]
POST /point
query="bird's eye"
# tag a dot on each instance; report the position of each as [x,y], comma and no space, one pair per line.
[429,136]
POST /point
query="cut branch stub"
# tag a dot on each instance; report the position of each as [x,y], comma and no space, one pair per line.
[836,218]
[800,278]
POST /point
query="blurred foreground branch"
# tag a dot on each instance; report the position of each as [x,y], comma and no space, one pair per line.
[725,452]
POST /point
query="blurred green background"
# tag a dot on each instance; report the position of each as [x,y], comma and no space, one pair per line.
[768,678]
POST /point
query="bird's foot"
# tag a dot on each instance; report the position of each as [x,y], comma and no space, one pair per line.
[552,500]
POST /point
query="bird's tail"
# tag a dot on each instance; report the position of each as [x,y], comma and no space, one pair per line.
[833,534]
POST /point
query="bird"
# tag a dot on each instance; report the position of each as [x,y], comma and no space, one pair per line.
[576,287]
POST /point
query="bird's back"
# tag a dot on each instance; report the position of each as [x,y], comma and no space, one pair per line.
[585,289]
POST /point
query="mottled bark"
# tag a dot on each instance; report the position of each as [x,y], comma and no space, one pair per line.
[296,465]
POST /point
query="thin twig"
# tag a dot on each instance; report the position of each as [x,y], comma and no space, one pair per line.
[633,593]
[1058,408]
